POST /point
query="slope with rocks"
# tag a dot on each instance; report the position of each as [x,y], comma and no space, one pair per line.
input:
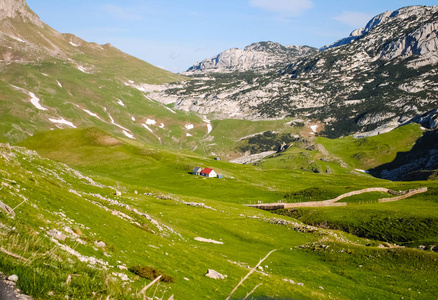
[51,80]
[96,220]
[258,56]
[383,76]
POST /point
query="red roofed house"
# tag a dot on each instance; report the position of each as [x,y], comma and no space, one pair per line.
[208,173]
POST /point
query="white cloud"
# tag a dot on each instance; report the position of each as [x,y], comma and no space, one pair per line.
[121,13]
[355,19]
[289,8]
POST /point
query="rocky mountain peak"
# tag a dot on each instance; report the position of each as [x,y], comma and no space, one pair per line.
[257,56]
[383,18]
[265,47]
[18,9]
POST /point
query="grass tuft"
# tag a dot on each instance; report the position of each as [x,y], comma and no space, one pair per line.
[151,273]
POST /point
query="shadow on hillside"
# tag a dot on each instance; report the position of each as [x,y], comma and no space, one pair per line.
[420,163]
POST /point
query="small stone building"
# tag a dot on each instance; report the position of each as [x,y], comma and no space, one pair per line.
[197,171]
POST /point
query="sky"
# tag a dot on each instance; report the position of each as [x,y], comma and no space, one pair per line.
[175,34]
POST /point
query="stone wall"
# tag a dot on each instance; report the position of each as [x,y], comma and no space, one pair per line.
[408,194]
[333,202]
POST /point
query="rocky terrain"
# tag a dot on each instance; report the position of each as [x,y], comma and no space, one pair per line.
[258,56]
[380,77]
[18,9]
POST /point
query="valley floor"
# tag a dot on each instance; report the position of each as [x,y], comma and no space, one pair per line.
[87,212]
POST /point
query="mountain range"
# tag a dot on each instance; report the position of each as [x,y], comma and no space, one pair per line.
[258,56]
[378,78]
[99,198]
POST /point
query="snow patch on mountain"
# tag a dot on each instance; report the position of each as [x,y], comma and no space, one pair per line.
[17,39]
[36,101]
[62,121]
[169,109]
[120,102]
[151,122]
[147,127]
[131,136]
[209,127]
[82,69]
[92,114]
[125,131]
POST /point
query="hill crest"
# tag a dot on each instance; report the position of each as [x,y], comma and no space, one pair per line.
[18,9]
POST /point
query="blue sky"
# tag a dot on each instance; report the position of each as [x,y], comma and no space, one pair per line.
[175,34]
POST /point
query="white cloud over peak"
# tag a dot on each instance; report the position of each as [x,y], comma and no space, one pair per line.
[289,8]
[355,19]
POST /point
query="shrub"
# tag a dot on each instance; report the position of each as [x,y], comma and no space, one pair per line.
[151,273]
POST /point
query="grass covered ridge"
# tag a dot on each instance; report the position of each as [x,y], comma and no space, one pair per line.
[162,209]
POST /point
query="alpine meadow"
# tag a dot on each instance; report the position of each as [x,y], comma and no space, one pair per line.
[268,172]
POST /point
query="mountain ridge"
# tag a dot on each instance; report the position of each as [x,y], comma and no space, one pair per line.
[373,84]
[18,8]
[257,56]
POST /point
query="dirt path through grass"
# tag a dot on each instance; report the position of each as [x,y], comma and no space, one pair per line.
[333,202]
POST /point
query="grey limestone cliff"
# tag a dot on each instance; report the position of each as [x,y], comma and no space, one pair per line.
[380,77]
[262,55]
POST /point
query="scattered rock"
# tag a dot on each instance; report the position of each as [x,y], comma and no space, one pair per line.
[13,278]
[6,209]
[56,234]
[200,239]
[195,204]
[99,244]
[214,275]
[293,282]
[122,276]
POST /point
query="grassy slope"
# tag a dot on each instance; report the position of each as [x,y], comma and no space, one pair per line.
[410,222]
[48,67]
[163,169]
[245,239]
[160,169]
[373,151]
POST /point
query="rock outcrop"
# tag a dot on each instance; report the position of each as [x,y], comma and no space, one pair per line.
[18,9]
[257,56]
[382,76]
[214,274]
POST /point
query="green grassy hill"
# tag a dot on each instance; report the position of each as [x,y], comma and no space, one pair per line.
[51,80]
[162,209]
[98,182]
